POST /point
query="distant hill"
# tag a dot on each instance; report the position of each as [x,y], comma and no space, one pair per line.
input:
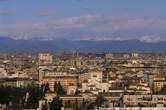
[61,45]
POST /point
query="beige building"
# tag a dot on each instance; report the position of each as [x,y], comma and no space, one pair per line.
[16,82]
[159,83]
[45,58]
[65,81]
[144,100]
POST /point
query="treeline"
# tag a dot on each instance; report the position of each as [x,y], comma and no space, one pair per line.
[22,98]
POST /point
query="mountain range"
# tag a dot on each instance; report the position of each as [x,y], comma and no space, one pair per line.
[63,45]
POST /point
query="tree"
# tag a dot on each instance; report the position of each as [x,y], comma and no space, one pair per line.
[56,104]
[13,96]
[47,87]
[43,90]
[77,92]
[68,105]
[83,105]
[34,96]
[56,87]
[59,89]
[90,106]
[163,90]
[76,105]
[100,100]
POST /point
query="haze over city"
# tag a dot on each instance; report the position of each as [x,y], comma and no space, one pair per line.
[83,19]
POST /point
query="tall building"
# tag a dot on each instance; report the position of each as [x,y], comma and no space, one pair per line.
[45,58]
[135,55]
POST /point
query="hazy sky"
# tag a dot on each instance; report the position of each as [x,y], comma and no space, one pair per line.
[84,19]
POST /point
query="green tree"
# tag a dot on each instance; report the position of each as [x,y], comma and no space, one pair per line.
[68,105]
[83,105]
[56,104]
[76,105]
[59,89]
[100,100]
[90,106]
[162,91]
[47,87]
[35,94]
[12,95]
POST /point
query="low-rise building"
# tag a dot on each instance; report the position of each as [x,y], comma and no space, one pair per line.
[65,81]
[144,100]
[159,83]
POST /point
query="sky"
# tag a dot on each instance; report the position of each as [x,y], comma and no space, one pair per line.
[84,19]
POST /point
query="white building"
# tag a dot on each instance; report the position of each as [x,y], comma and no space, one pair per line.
[95,84]
[135,55]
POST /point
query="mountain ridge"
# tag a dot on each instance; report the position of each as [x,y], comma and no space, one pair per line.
[64,45]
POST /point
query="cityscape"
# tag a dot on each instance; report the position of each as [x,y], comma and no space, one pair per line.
[82,55]
[79,81]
